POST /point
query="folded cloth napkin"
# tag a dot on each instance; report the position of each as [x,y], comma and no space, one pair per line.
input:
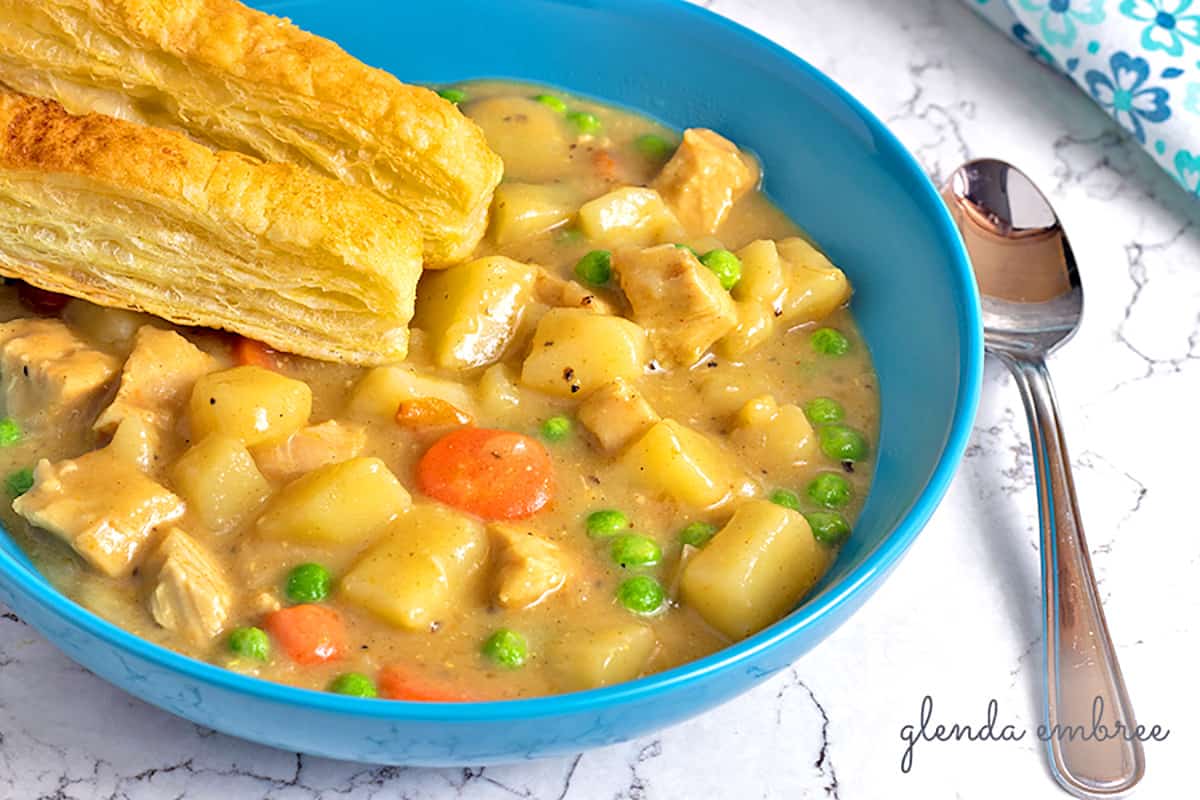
[1138,59]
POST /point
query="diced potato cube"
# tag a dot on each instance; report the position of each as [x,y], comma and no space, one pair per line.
[617,414]
[104,510]
[755,325]
[49,373]
[576,352]
[679,301]
[425,572]
[589,659]
[529,568]
[191,593]
[523,210]
[705,177]
[249,403]
[498,391]
[346,503]
[755,569]
[311,447]
[686,465]
[220,482]
[773,436]
[556,292]
[156,378]
[726,391]
[470,312]
[632,216]
[381,391]
[763,277]
[816,288]
[511,123]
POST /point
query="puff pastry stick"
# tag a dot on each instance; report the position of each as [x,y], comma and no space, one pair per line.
[243,80]
[142,218]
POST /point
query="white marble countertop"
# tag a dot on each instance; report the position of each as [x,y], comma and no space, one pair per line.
[958,620]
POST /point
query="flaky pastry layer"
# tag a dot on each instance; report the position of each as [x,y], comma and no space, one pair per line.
[250,82]
[136,217]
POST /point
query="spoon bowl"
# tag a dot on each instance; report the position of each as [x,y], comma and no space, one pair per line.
[1032,303]
[1031,296]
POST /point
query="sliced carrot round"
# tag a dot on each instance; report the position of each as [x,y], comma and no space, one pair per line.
[493,474]
[398,682]
[309,634]
[254,353]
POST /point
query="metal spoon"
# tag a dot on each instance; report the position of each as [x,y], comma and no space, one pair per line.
[1032,304]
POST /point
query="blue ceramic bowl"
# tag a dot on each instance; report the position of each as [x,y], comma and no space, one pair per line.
[830,164]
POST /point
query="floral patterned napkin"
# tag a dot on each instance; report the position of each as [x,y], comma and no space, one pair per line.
[1139,59]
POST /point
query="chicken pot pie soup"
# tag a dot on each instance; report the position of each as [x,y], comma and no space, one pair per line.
[633,426]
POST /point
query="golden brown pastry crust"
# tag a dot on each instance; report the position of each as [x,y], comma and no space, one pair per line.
[251,82]
[136,217]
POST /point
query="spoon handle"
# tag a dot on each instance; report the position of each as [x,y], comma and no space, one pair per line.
[1084,687]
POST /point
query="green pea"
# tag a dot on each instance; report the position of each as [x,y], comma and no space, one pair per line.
[595,267]
[829,342]
[641,594]
[552,102]
[455,96]
[830,490]
[354,684]
[250,642]
[19,482]
[689,248]
[697,534]
[725,265]
[842,443]
[556,428]
[823,410]
[584,122]
[828,527]
[605,523]
[785,498]
[634,550]
[10,432]
[507,648]
[308,583]
[653,146]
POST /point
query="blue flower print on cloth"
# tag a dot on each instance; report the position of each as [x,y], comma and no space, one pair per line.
[1059,20]
[1123,93]
[1169,26]
[1138,59]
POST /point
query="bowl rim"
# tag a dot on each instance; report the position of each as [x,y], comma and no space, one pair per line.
[822,606]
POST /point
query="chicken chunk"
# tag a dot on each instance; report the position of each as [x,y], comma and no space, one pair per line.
[677,300]
[617,414]
[157,378]
[308,448]
[191,594]
[48,372]
[705,177]
[556,292]
[530,568]
[104,510]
